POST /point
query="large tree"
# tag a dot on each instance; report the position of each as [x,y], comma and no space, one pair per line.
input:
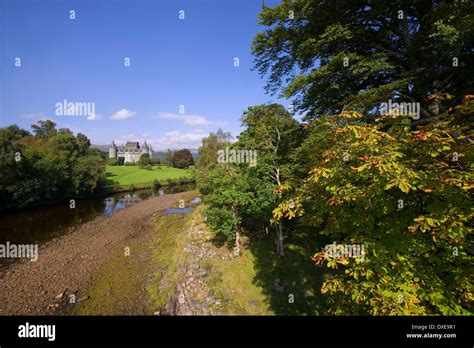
[329,55]
[51,165]
[242,194]
[168,158]
[398,186]
[44,129]
[144,160]
[182,159]
[207,158]
[272,132]
[403,195]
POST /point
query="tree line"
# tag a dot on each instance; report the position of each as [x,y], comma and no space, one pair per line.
[47,164]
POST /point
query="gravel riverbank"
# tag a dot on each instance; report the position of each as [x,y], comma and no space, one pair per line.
[67,264]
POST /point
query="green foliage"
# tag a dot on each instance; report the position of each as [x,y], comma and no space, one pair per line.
[273,133]
[168,159]
[207,158]
[86,173]
[97,152]
[182,159]
[112,162]
[144,161]
[44,129]
[353,168]
[227,202]
[419,252]
[405,55]
[243,194]
[156,184]
[155,161]
[84,144]
[51,165]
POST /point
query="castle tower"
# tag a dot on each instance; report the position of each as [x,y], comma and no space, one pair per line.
[145,148]
[150,151]
[113,150]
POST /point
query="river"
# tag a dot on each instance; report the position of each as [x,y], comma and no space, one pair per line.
[40,225]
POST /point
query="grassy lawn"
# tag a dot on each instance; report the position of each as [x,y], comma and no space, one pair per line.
[127,175]
[246,283]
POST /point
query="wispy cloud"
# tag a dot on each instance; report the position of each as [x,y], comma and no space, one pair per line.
[171,140]
[128,137]
[95,117]
[178,140]
[122,114]
[189,120]
[35,116]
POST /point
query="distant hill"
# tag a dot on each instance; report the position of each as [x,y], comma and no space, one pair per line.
[162,153]
[101,147]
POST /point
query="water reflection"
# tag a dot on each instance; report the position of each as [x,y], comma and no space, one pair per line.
[172,211]
[43,224]
[112,205]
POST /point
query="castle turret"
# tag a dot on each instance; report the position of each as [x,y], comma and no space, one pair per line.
[150,151]
[145,148]
[113,150]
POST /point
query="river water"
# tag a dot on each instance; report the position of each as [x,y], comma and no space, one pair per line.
[40,225]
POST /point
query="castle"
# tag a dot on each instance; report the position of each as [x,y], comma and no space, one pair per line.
[131,151]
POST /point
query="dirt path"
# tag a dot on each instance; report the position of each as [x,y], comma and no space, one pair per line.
[66,266]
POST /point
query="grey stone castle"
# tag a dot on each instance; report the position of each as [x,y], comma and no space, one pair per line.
[131,151]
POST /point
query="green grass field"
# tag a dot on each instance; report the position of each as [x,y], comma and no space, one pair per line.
[128,175]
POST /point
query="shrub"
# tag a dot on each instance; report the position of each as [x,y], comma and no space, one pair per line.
[156,184]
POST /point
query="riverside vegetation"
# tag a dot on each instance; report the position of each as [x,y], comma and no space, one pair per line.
[347,173]
[53,165]
[352,172]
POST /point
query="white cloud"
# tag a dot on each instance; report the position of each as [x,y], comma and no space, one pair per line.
[128,137]
[36,116]
[177,140]
[122,114]
[190,120]
[95,117]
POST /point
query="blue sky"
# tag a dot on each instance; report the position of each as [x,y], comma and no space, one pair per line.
[173,62]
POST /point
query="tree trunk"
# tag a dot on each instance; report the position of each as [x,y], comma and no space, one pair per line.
[434,106]
[237,243]
[237,234]
[280,248]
